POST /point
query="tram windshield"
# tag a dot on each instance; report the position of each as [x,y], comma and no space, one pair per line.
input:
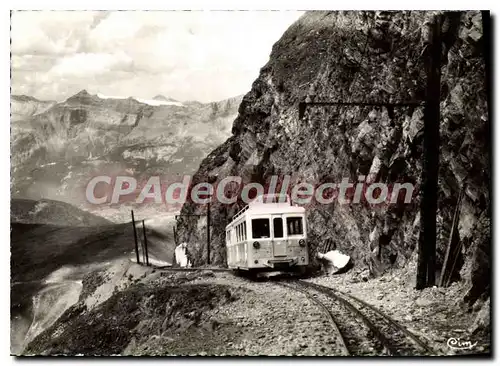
[278,227]
[294,226]
[260,228]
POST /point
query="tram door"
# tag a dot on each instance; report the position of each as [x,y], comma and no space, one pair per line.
[278,238]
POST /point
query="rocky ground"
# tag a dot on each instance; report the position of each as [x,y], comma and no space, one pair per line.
[132,310]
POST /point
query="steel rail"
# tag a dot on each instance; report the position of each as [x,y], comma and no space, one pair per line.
[336,294]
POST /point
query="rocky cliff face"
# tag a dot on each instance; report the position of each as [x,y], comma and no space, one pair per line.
[362,57]
[54,153]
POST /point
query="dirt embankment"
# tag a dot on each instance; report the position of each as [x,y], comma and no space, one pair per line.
[141,306]
[51,264]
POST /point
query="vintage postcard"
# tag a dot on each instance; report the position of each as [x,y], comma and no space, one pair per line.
[251,183]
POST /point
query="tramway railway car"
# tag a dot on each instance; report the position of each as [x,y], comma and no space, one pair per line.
[268,234]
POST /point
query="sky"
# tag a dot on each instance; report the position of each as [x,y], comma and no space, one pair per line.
[186,55]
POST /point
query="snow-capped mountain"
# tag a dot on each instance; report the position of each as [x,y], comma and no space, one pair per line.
[156,101]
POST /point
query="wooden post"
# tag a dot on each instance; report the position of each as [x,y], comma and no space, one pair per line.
[208,233]
[135,238]
[145,242]
[451,240]
[426,267]
[456,253]
[143,253]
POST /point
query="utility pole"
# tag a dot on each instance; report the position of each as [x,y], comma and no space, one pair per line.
[135,238]
[145,242]
[426,267]
[208,233]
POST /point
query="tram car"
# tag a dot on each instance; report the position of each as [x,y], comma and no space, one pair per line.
[269,234]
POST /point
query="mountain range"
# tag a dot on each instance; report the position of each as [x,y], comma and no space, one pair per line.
[57,147]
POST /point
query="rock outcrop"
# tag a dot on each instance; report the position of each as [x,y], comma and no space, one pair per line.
[361,57]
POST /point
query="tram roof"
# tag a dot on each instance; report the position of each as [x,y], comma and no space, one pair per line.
[267,208]
[258,207]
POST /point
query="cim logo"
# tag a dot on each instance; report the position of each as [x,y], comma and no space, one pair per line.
[457,343]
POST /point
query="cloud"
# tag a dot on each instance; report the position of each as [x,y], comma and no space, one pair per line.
[90,64]
[198,55]
[32,63]
[48,32]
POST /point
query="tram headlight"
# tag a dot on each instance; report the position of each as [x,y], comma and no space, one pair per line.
[256,244]
[302,242]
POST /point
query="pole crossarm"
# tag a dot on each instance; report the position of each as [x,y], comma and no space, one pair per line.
[196,215]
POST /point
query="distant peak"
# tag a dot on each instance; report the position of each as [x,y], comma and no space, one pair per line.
[164,98]
[83,96]
[82,93]
[24,98]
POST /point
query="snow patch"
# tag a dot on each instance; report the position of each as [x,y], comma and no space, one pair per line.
[181,256]
[158,102]
[151,102]
[38,208]
[334,260]
[48,164]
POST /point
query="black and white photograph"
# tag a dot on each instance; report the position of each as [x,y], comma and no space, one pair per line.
[251,183]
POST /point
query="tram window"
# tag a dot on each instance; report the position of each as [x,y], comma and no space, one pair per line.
[278,227]
[260,228]
[294,225]
[244,230]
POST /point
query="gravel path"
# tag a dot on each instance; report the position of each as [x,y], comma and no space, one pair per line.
[358,338]
[274,320]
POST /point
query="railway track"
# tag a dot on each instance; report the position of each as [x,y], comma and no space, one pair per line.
[379,334]
[339,338]
[183,269]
